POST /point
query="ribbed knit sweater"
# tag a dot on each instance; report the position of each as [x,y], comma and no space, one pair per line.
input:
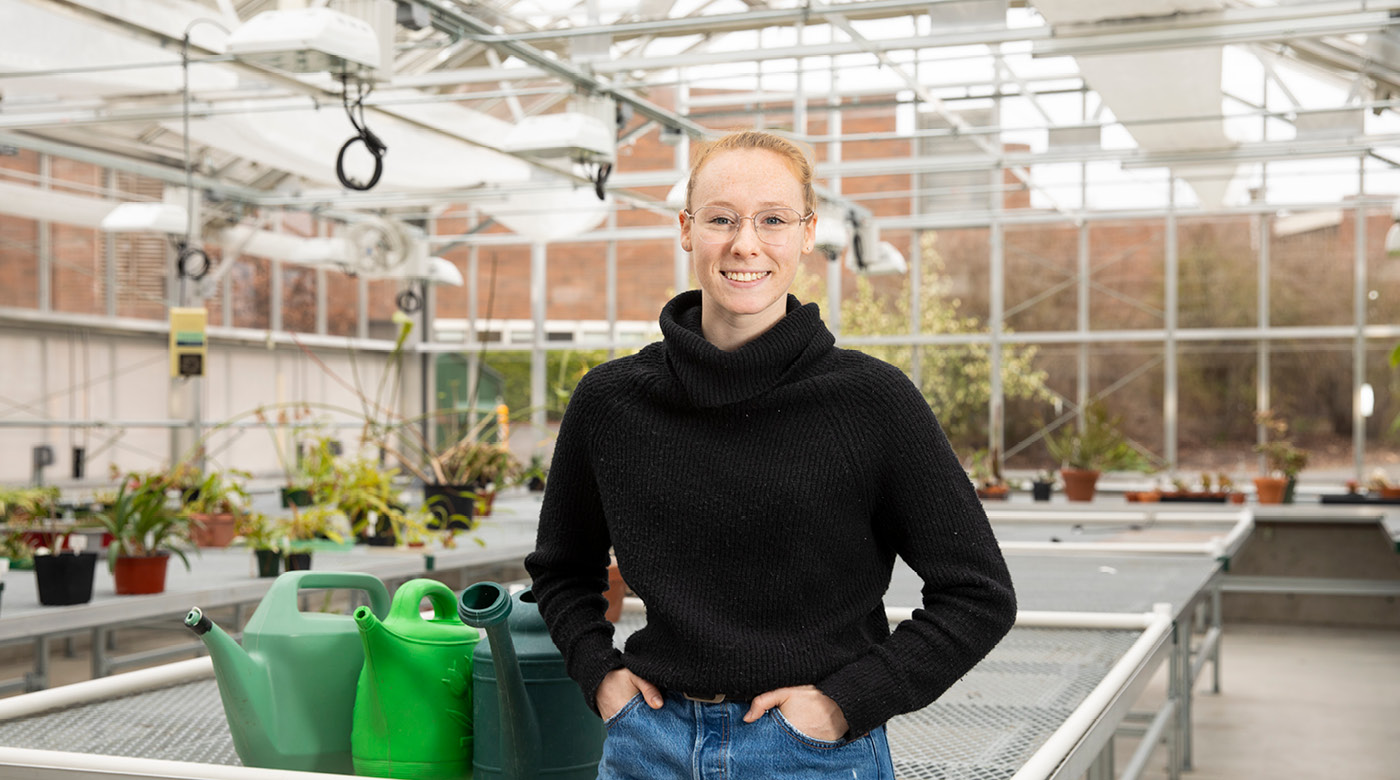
[755,501]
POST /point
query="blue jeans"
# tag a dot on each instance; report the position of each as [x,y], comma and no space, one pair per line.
[688,739]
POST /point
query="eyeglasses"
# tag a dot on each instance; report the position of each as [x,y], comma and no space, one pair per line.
[719,225]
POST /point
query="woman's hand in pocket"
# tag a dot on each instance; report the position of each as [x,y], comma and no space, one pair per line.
[618,688]
[808,710]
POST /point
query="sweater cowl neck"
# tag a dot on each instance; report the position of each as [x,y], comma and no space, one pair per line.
[713,377]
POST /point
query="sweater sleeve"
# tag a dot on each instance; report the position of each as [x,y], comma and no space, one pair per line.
[928,511]
[569,564]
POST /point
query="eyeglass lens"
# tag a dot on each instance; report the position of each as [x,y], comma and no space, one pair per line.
[717,225]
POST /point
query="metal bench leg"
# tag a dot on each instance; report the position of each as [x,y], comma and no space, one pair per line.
[38,679]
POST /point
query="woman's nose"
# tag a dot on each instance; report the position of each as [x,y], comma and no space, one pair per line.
[746,238]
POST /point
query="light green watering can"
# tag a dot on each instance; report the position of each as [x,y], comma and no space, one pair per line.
[289,691]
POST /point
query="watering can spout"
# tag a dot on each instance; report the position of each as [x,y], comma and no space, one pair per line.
[243,682]
[486,605]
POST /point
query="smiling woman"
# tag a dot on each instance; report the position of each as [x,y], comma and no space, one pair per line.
[745,264]
[756,484]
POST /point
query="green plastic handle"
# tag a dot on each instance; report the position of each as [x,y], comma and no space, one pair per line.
[411,594]
[281,598]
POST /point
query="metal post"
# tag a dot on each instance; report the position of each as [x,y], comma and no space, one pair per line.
[1082,324]
[321,282]
[538,269]
[38,679]
[1358,344]
[1169,392]
[109,253]
[362,310]
[833,155]
[680,258]
[44,245]
[996,429]
[100,637]
[1261,390]
[473,292]
[610,273]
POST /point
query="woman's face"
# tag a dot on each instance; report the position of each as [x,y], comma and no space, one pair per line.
[745,279]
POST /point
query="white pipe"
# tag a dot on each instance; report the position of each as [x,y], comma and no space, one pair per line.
[104,688]
[1237,534]
[1065,516]
[1039,619]
[59,763]
[1209,517]
[1053,753]
[1163,548]
[34,203]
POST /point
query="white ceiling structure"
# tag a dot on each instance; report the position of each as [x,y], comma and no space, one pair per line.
[1114,103]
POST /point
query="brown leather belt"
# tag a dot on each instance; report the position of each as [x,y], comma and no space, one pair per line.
[711,698]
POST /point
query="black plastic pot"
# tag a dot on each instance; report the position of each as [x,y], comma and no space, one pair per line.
[444,501]
[65,578]
[1041,491]
[295,497]
[269,563]
[298,561]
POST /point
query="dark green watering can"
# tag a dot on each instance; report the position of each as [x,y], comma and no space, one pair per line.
[531,720]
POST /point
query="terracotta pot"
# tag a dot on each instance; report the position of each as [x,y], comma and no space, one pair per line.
[616,589]
[1390,492]
[212,530]
[1079,483]
[145,574]
[994,493]
[1270,489]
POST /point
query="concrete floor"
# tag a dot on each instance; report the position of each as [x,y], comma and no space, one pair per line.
[1296,702]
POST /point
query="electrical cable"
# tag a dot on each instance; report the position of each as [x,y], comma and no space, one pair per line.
[187,248]
[600,180]
[409,300]
[363,135]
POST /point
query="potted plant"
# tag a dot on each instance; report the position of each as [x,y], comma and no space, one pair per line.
[1084,455]
[25,512]
[64,577]
[366,494]
[213,507]
[985,474]
[259,533]
[1282,461]
[1378,485]
[145,531]
[535,474]
[1043,485]
[468,473]
[304,527]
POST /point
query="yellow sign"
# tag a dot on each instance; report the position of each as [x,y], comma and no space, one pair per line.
[188,348]
[503,422]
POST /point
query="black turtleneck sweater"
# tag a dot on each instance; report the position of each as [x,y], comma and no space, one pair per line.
[756,500]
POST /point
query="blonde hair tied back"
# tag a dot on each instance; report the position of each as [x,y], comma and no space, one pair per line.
[793,155]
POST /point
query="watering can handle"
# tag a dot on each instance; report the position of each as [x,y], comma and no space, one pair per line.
[282,596]
[410,596]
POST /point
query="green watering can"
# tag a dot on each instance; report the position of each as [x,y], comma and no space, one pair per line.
[413,706]
[531,719]
[289,691]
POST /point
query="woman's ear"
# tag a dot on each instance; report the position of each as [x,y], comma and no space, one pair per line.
[685,230]
[809,235]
